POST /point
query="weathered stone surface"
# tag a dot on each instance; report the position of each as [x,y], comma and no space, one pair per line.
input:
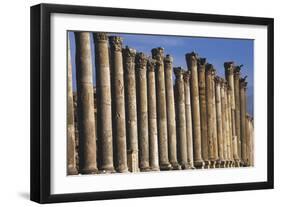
[131,108]
[119,119]
[203,109]
[71,154]
[171,119]
[158,55]
[191,59]
[181,117]
[141,72]
[85,104]
[104,104]
[243,109]
[152,116]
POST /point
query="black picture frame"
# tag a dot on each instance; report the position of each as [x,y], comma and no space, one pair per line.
[41,99]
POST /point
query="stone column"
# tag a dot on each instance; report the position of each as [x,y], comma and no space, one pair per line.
[85,104]
[219,119]
[152,116]
[191,59]
[224,124]
[251,142]
[228,131]
[243,109]
[119,104]
[181,121]
[248,139]
[230,122]
[158,55]
[229,70]
[188,117]
[71,152]
[210,114]
[203,109]
[171,119]
[141,69]
[104,111]
[237,107]
[131,108]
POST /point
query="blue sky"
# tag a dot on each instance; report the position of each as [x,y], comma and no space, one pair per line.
[216,50]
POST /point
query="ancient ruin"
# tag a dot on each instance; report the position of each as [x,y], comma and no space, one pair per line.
[144,114]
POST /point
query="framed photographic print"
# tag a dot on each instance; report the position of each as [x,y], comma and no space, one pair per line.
[133,103]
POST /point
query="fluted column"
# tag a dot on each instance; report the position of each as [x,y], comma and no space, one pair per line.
[181,121]
[85,104]
[104,103]
[219,121]
[152,116]
[188,117]
[71,152]
[158,55]
[191,59]
[251,142]
[243,109]
[210,111]
[131,108]
[229,71]
[171,120]
[228,131]
[141,69]
[237,107]
[119,104]
[224,124]
[248,139]
[203,109]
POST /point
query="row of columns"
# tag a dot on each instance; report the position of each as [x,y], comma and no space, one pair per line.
[146,121]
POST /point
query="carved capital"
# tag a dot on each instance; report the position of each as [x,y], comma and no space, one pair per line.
[179,71]
[237,70]
[100,37]
[229,67]
[186,75]
[151,64]
[115,43]
[129,54]
[223,83]
[141,60]
[209,69]
[168,60]
[218,80]
[201,62]
[158,54]
[243,83]
[191,59]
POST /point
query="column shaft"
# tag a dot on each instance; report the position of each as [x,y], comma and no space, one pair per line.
[141,69]
[191,60]
[85,104]
[119,104]
[131,108]
[203,109]
[224,124]
[171,119]
[152,117]
[243,107]
[157,54]
[71,152]
[181,121]
[104,109]
[188,117]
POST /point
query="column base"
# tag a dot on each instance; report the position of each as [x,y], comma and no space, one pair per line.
[107,169]
[237,163]
[190,165]
[213,164]
[166,166]
[89,171]
[176,166]
[185,166]
[207,164]
[154,168]
[223,164]
[145,169]
[199,164]
[72,171]
[122,169]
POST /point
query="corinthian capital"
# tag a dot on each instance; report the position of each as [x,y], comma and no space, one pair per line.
[129,54]
[179,71]
[151,64]
[141,60]
[201,62]
[115,43]
[168,60]
[186,75]
[229,67]
[218,80]
[158,54]
[191,59]
[209,69]
[100,37]
[243,82]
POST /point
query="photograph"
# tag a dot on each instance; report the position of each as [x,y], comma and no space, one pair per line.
[154,103]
